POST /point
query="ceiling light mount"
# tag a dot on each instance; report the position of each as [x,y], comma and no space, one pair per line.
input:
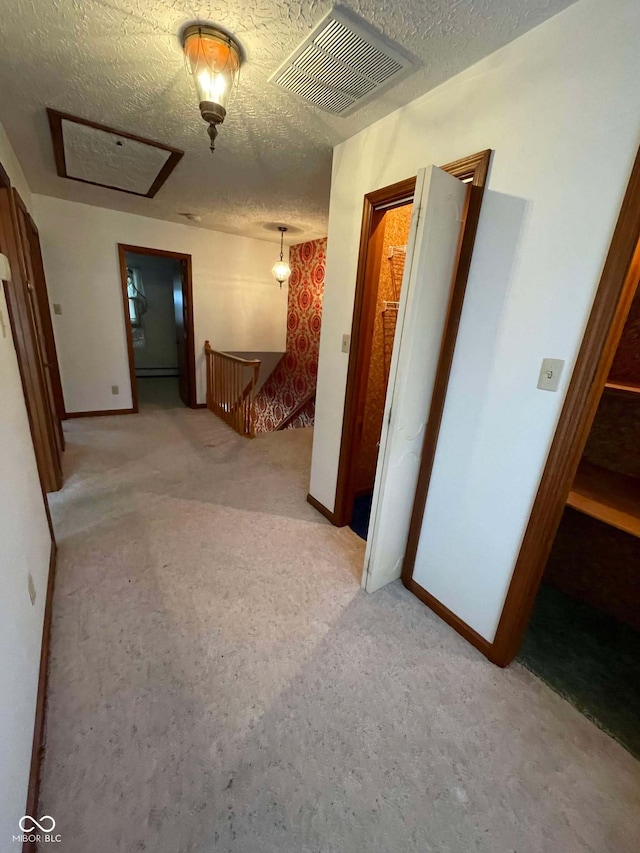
[213,58]
[281,269]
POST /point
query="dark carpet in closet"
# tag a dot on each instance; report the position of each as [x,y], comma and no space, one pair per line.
[589,658]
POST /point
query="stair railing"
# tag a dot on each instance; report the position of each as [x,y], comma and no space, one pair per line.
[293,414]
[231,388]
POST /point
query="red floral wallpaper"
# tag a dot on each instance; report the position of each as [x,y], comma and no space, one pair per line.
[294,378]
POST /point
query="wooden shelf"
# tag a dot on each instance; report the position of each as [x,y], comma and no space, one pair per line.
[623,389]
[608,496]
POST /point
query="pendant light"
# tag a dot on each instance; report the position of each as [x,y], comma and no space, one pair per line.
[281,270]
[213,59]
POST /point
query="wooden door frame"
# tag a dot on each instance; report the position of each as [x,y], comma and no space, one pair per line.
[187,292]
[606,323]
[473,170]
[376,205]
[33,272]
[42,296]
[26,345]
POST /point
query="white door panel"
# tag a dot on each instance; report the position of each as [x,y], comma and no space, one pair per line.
[432,253]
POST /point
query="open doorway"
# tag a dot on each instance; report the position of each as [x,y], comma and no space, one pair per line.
[157,299]
[387,253]
[399,225]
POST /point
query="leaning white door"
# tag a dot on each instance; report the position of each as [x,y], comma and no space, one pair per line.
[432,254]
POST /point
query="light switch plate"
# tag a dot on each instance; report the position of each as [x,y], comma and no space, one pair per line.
[346,340]
[550,374]
[57,308]
[115,389]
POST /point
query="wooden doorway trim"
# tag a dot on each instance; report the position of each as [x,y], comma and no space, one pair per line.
[187,293]
[42,296]
[33,271]
[27,346]
[473,170]
[606,322]
[375,206]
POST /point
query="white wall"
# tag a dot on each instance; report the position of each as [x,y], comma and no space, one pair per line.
[25,548]
[159,355]
[561,108]
[237,304]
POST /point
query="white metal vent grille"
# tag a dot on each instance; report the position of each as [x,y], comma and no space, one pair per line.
[341,64]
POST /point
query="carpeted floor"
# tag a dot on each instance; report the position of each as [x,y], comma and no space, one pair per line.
[220,684]
[158,391]
[589,658]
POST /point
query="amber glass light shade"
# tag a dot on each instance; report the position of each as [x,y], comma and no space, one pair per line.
[214,60]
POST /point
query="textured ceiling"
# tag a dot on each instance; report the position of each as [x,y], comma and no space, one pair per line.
[119,62]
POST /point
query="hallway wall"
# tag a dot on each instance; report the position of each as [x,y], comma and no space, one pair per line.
[26,544]
[560,106]
[237,305]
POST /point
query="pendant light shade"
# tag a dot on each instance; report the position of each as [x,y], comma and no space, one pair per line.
[281,270]
[213,59]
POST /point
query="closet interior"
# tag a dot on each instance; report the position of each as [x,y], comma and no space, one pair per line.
[379,328]
[584,635]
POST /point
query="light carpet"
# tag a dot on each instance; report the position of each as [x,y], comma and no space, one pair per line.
[219,682]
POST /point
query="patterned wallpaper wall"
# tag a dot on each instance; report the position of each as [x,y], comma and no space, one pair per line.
[295,376]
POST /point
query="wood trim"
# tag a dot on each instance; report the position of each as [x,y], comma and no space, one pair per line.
[606,322]
[322,509]
[356,375]
[191,342]
[57,139]
[161,253]
[4,178]
[188,297]
[98,413]
[45,316]
[247,362]
[25,342]
[39,319]
[293,414]
[37,748]
[122,263]
[475,169]
[449,617]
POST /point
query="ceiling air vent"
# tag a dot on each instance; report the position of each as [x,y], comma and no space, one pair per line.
[342,64]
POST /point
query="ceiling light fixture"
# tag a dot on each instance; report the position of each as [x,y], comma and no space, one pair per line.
[281,269]
[213,59]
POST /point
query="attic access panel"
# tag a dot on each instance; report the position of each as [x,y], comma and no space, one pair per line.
[342,64]
[102,156]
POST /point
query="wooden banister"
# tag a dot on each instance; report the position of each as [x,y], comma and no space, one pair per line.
[293,414]
[229,395]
